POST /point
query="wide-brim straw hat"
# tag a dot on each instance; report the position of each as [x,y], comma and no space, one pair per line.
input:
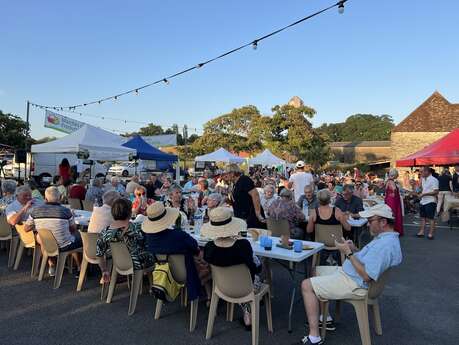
[159,218]
[222,224]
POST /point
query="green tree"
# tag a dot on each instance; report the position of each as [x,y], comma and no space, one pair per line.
[359,127]
[318,150]
[43,140]
[13,130]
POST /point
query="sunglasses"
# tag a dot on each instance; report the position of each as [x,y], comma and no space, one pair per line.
[140,194]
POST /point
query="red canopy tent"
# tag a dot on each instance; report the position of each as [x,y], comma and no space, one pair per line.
[444,151]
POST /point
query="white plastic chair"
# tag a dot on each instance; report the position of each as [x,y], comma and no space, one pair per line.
[27,241]
[233,284]
[7,235]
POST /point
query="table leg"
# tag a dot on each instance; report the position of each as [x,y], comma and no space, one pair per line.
[292,298]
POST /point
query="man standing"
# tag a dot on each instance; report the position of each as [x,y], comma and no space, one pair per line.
[351,281]
[429,192]
[299,180]
[455,181]
[245,198]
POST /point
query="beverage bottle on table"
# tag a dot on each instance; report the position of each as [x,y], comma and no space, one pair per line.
[198,220]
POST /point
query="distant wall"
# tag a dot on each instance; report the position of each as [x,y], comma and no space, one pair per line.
[406,143]
[366,152]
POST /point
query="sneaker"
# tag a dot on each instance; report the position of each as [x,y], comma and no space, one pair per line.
[52,271]
[330,325]
[307,341]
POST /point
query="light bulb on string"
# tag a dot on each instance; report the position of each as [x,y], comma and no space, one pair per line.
[255,45]
[167,82]
[199,65]
[99,102]
[115,98]
[136,92]
[341,8]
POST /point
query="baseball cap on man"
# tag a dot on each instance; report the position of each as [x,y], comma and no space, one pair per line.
[300,164]
[381,210]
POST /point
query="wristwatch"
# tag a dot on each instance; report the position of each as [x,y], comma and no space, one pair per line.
[348,256]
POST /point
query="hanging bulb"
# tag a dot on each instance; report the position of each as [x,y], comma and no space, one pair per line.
[167,82]
[199,65]
[99,102]
[255,45]
[136,92]
[115,98]
[341,8]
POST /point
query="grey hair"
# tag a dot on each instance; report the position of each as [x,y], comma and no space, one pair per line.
[23,189]
[393,173]
[173,188]
[216,196]
[115,179]
[323,196]
[269,186]
[9,186]
[308,186]
[52,194]
[109,197]
[286,193]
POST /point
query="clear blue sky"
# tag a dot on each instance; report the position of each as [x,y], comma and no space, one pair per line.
[381,57]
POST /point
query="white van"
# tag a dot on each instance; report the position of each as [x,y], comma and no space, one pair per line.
[46,165]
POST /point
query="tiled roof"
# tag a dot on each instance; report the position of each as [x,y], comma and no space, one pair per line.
[436,114]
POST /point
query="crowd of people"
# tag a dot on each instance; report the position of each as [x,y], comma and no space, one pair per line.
[146,213]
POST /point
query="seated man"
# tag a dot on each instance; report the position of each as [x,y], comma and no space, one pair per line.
[117,186]
[349,203]
[351,281]
[101,217]
[308,199]
[18,211]
[57,219]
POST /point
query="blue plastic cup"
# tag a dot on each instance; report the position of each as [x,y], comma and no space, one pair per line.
[298,246]
[268,243]
[262,241]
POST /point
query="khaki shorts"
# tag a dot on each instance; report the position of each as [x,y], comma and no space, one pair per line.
[331,283]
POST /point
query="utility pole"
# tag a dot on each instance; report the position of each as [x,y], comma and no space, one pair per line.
[185,137]
[26,142]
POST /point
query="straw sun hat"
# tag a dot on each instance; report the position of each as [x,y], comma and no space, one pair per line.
[222,224]
[159,218]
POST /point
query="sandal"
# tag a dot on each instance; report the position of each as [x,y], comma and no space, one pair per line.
[420,235]
[430,237]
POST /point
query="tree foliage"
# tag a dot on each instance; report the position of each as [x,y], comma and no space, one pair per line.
[359,127]
[13,130]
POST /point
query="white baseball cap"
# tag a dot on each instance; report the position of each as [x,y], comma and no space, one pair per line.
[381,210]
[300,164]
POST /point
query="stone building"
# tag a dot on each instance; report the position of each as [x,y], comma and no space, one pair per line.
[432,120]
[361,151]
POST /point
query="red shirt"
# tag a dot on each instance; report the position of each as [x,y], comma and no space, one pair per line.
[64,172]
[77,192]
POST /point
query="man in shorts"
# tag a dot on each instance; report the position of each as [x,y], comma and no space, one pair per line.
[351,281]
[429,187]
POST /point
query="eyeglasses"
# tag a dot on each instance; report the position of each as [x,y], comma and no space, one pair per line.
[140,194]
[370,220]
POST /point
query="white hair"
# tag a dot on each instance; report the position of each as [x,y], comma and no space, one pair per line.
[109,197]
[115,179]
[216,196]
[393,173]
[52,194]
[9,186]
[23,189]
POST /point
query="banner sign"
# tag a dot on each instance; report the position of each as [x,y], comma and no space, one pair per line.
[61,123]
[161,140]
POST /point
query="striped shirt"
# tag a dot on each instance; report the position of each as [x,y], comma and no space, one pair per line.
[55,218]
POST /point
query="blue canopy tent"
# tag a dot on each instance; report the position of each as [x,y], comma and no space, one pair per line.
[147,152]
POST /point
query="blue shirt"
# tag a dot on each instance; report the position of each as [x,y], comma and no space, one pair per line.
[377,256]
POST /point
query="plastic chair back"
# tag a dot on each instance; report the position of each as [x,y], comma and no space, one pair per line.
[75,203]
[376,287]
[176,265]
[278,227]
[89,245]
[5,228]
[233,281]
[325,233]
[48,242]
[88,205]
[122,260]
[27,238]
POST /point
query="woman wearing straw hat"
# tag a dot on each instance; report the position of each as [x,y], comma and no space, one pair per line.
[162,238]
[228,249]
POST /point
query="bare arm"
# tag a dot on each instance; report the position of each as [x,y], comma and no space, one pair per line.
[17,217]
[311,222]
[342,217]
[344,248]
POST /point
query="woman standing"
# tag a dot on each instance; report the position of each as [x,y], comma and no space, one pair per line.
[64,170]
[394,201]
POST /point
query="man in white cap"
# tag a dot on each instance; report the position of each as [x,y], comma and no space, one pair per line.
[299,180]
[351,281]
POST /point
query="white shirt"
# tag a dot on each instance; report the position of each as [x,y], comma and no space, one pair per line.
[101,218]
[429,185]
[300,180]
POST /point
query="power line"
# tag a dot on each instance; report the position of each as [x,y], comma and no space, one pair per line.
[166,80]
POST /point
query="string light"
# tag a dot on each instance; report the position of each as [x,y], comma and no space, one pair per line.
[136,92]
[167,82]
[253,43]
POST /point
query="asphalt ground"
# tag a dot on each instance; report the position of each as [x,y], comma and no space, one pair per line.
[419,306]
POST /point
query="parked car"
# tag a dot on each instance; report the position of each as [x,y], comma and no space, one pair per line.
[124,169]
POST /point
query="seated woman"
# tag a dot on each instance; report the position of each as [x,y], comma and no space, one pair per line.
[214,200]
[185,206]
[228,249]
[286,208]
[140,203]
[121,229]
[95,192]
[325,214]
[162,238]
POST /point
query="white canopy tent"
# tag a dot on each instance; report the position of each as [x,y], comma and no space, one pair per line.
[221,155]
[266,158]
[100,144]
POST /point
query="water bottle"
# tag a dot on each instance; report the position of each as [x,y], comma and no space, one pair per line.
[305,208]
[197,219]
